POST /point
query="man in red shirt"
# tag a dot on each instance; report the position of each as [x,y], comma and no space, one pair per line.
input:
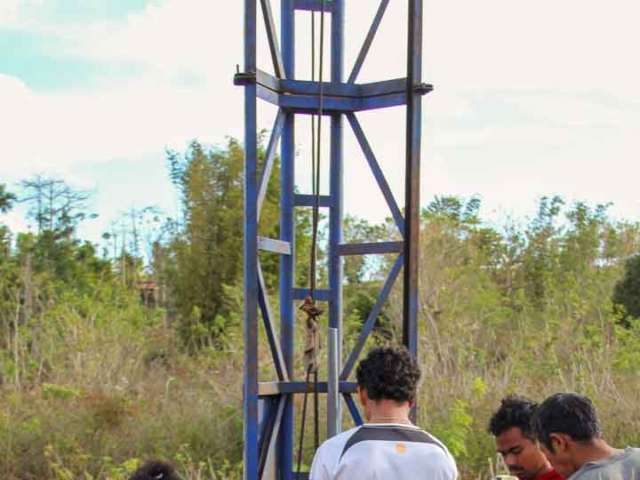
[511,427]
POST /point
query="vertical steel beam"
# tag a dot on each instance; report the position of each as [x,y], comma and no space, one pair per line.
[412,179]
[336,186]
[250,389]
[287,234]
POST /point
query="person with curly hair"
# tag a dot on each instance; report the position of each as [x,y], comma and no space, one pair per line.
[155,470]
[567,427]
[388,446]
[511,427]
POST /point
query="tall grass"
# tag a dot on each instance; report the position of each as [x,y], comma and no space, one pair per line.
[108,389]
[92,386]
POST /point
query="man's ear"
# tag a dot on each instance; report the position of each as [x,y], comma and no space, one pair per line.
[559,442]
[362,393]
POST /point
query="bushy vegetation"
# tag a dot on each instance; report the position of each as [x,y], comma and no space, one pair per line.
[94,380]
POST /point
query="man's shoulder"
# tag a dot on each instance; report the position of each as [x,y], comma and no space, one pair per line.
[336,446]
[366,448]
[625,466]
[394,431]
[338,441]
[328,454]
[343,436]
[376,438]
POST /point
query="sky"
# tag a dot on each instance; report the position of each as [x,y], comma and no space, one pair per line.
[531,99]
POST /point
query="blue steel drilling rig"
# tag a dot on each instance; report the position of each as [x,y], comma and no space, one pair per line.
[268,405]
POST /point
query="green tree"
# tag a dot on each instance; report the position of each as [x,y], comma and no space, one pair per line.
[206,255]
[541,254]
[202,262]
[6,203]
[627,290]
[358,268]
[6,199]
[363,275]
[55,206]
[455,210]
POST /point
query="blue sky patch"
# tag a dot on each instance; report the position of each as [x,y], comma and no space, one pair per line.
[23,56]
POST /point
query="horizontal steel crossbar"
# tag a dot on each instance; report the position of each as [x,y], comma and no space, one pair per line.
[313,5]
[309,200]
[280,388]
[370,248]
[320,294]
[331,89]
[302,96]
[309,105]
[274,246]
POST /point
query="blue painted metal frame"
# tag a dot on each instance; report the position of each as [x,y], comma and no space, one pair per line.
[250,388]
[412,178]
[336,184]
[267,389]
[284,463]
[313,5]
[353,409]
[268,406]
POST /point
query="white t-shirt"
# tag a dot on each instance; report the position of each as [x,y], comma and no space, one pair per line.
[383,452]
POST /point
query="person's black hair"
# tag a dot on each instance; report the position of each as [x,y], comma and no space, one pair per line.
[568,413]
[389,373]
[155,470]
[513,412]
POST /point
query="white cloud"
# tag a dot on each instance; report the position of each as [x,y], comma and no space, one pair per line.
[573,43]
[184,54]
[55,131]
[579,44]
[167,38]
[20,14]
[8,11]
[572,111]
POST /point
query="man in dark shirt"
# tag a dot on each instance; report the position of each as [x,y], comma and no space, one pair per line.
[511,427]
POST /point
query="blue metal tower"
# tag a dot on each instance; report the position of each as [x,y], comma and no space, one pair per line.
[268,406]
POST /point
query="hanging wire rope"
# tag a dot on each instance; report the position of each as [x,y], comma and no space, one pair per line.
[309,306]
